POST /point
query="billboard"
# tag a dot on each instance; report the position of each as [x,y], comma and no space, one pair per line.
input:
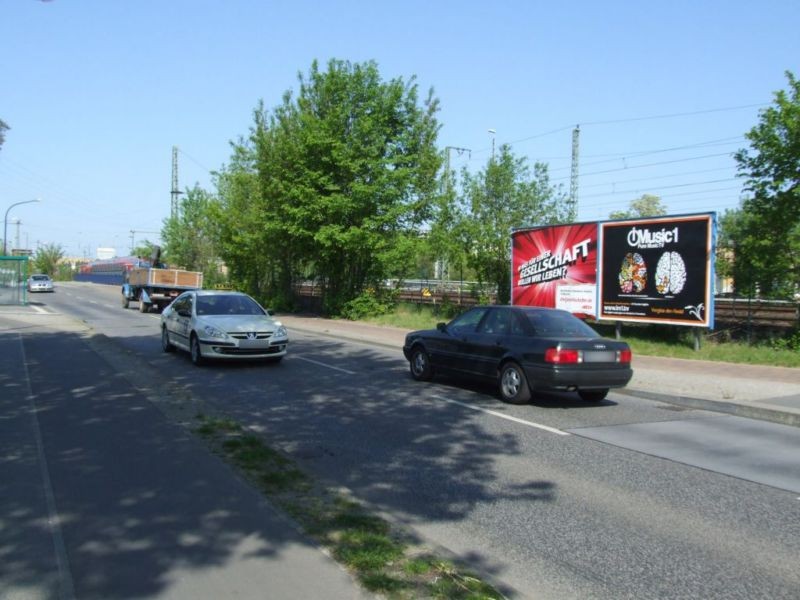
[657,270]
[555,266]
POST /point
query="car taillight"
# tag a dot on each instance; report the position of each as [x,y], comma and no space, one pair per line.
[624,356]
[562,356]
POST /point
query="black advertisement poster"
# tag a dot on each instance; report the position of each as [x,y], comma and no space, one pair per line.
[658,270]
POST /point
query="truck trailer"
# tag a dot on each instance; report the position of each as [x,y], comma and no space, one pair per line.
[157,286]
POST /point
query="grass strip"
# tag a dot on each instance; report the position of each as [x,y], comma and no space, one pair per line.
[378,554]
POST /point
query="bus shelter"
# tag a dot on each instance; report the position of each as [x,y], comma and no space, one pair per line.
[13,278]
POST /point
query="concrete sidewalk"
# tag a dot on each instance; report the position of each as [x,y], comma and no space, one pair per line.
[106,497]
[758,392]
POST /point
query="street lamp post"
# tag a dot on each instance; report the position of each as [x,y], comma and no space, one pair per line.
[5,223]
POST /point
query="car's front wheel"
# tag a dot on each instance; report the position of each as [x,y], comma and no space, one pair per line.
[166,345]
[593,395]
[514,387]
[420,364]
[194,351]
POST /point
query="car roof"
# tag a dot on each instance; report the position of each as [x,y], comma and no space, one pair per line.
[219,293]
[523,308]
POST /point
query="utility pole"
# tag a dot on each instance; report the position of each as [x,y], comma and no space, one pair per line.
[17,222]
[175,191]
[447,149]
[573,180]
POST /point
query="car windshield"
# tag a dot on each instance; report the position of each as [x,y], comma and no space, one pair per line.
[558,323]
[227,305]
[40,278]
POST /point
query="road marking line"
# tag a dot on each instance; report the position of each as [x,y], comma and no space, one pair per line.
[321,364]
[39,309]
[502,416]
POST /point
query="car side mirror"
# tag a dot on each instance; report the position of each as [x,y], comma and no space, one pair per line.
[184,313]
[442,327]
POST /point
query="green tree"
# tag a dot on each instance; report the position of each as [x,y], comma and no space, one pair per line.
[253,235]
[47,258]
[768,230]
[144,249]
[189,238]
[344,174]
[504,196]
[648,205]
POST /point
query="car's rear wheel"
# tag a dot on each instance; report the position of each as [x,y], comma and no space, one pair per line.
[166,345]
[593,395]
[514,387]
[194,351]
[143,306]
[420,364]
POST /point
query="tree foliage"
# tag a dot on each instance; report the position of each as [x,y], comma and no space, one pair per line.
[330,185]
[47,258]
[503,196]
[189,238]
[3,128]
[648,205]
[766,232]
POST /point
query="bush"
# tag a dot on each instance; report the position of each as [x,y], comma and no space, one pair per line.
[368,304]
[791,341]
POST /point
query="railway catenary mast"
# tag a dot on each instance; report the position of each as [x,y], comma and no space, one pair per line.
[175,191]
[573,180]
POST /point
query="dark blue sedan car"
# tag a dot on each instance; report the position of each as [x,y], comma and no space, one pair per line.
[524,349]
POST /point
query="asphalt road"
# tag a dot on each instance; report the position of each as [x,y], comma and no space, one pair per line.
[632,498]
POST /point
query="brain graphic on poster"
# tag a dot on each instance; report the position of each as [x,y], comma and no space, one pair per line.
[670,273]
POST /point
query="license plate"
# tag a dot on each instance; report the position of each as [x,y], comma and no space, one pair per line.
[599,356]
[251,344]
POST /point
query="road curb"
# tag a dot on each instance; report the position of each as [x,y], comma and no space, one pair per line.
[740,410]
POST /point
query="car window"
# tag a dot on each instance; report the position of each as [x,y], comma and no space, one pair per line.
[40,278]
[518,324]
[497,322]
[180,303]
[227,305]
[558,323]
[468,322]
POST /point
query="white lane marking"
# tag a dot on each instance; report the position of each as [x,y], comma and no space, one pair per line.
[321,364]
[502,416]
[39,309]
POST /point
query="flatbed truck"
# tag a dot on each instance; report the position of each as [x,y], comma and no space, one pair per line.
[156,288]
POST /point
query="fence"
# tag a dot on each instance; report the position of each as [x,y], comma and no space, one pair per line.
[728,311]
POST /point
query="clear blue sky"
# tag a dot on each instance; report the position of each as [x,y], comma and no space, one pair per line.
[97,92]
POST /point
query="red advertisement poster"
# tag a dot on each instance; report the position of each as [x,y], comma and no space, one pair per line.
[556,267]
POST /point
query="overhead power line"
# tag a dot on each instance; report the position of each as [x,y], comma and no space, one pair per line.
[674,115]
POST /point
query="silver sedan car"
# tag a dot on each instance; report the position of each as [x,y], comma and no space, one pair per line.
[40,283]
[211,324]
